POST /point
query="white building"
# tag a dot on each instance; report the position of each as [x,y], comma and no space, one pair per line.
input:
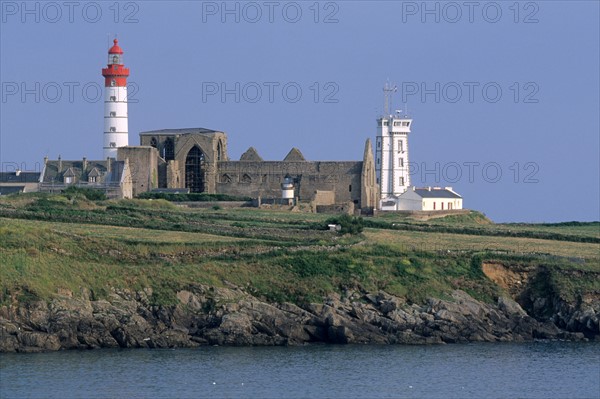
[116,130]
[391,152]
[427,199]
[391,160]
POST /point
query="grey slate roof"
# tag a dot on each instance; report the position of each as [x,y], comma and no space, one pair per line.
[190,130]
[24,177]
[436,193]
[75,169]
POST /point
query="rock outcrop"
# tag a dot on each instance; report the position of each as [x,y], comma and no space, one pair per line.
[231,316]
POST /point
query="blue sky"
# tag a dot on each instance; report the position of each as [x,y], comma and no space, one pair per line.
[504,95]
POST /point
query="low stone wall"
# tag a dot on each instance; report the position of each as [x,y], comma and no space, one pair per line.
[336,208]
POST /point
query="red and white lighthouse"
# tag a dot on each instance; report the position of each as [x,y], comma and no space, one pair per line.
[116,131]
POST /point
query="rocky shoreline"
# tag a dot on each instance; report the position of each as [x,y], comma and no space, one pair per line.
[232,316]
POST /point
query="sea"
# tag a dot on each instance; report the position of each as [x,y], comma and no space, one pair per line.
[480,370]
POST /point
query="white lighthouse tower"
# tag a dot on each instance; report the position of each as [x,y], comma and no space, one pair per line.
[116,131]
[391,165]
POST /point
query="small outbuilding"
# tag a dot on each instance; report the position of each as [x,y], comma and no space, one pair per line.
[429,199]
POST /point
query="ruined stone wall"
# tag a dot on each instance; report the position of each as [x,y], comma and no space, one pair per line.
[324,198]
[253,179]
[143,165]
[351,181]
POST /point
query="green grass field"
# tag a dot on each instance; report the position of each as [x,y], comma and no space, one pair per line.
[49,244]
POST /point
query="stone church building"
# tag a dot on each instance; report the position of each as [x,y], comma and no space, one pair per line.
[197,159]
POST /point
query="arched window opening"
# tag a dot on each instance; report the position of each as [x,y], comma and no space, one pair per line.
[219,151]
[194,170]
[153,142]
[169,150]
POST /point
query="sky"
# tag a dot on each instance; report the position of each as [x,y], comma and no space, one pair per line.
[504,95]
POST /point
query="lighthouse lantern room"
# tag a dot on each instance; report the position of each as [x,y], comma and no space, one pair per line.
[116,131]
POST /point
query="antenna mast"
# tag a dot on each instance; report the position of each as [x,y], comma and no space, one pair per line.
[388,90]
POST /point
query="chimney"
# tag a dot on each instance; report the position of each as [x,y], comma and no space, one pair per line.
[84,164]
[59,164]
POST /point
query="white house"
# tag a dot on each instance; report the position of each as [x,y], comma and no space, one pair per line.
[429,199]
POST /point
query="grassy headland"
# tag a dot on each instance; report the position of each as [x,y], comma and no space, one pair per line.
[52,243]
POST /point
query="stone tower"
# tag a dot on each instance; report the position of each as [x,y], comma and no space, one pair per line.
[116,130]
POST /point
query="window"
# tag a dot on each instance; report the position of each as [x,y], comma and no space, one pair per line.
[153,142]
[68,180]
[113,98]
[400,146]
[378,161]
[378,144]
[401,162]
[113,113]
[113,129]
[92,179]
[385,123]
[219,151]
[113,144]
[405,124]
[442,206]
[401,180]
[350,188]
[169,149]
[434,205]
[396,123]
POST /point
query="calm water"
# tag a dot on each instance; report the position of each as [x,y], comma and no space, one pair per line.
[533,370]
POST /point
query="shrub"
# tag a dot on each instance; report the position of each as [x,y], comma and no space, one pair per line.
[192,197]
[88,193]
[349,224]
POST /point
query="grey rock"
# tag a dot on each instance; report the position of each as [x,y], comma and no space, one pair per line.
[230,316]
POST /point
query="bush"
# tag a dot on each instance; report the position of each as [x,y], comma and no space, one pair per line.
[192,197]
[349,224]
[88,193]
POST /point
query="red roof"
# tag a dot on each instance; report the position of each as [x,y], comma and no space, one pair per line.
[115,49]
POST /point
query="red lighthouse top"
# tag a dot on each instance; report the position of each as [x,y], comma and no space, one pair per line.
[115,49]
[115,74]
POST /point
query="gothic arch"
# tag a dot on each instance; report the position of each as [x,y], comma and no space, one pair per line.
[169,149]
[219,151]
[195,167]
